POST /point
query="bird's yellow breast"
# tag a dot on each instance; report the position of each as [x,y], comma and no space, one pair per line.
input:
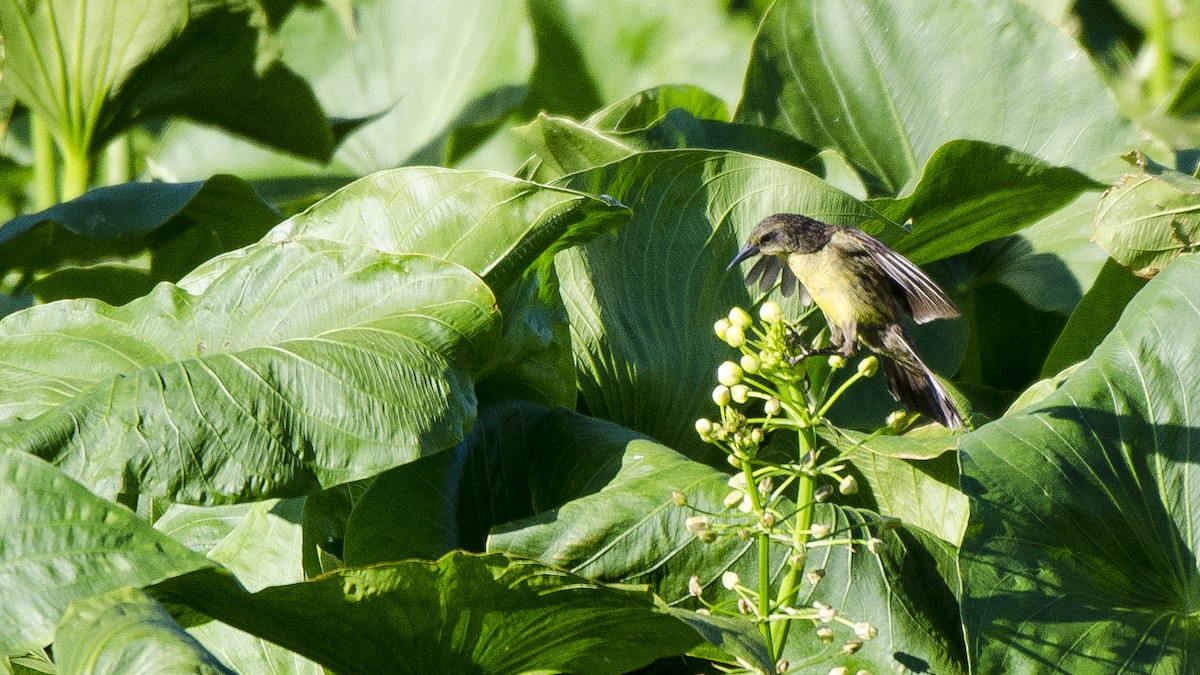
[848,289]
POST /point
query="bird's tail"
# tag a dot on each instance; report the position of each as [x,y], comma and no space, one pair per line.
[911,382]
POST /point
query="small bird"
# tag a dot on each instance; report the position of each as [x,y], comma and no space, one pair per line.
[861,286]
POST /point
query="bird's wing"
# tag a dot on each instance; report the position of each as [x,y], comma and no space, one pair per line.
[919,294]
[768,270]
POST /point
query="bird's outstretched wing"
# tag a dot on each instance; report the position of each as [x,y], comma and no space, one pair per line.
[919,294]
[768,269]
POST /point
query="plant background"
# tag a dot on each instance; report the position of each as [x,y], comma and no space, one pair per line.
[371,338]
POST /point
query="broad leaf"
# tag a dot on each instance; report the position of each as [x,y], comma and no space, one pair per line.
[126,631]
[971,192]
[1081,550]
[429,76]
[96,245]
[453,499]
[62,543]
[1094,317]
[214,398]
[862,77]
[1150,218]
[604,510]
[485,614]
[492,224]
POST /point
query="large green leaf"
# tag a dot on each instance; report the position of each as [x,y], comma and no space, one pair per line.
[464,613]
[1096,314]
[1150,218]
[863,77]
[492,224]
[450,500]
[61,543]
[97,244]
[308,364]
[1081,554]
[433,75]
[604,509]
[126,632]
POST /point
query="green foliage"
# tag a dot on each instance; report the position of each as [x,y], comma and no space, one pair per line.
[442,418]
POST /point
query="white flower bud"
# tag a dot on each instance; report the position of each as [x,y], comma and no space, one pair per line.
[819,530]
[694,587]
[772,407]
[733,499]
[696,524]
[750,363]
[868,366]
[679,498]
[704,426]
[740,393]
[837,361]
[848,486]
[815,576]
[730,579]
[865,630]
[729,373]
[770,312]
[825,633]
[735,336]
[739,317]
[720,327]
[721,395]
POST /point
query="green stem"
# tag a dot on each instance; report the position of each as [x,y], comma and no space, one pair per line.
[764,560]
[803,523]
[117,167]
[76,170]
[840,390]
[1160,39]
[45,189]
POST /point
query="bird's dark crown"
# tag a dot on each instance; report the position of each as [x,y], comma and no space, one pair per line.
[785,233]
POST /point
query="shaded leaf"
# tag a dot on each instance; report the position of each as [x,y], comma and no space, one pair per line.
[1081,549]
[62,543]
[126,631]
[210,398]
[481,614]
[177,225]
[1094,317]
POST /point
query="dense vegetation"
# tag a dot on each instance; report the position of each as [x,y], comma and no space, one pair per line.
[374,338]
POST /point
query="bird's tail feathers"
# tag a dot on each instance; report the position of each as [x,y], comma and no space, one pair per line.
[912,383]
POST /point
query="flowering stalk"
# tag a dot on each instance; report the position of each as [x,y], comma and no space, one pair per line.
[769,376]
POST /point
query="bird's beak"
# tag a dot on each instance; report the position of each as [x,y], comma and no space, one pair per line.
[747,251]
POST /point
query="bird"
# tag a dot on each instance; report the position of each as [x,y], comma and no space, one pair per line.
[863,288]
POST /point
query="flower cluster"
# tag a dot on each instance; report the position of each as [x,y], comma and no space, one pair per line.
[765,390]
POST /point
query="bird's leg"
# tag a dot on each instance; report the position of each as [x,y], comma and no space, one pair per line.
[803,349]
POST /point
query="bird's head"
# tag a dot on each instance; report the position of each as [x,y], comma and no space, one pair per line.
[784,233]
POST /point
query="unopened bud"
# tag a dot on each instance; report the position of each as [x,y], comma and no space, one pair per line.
[825,633]
[798,558]
[848,486]
[694,587]
[770,312]
[740,393]
[704,426]
[729,373]
[679,498]
[815,576]
[734,461]
[744,606]
[822,493]
[767,520]
[865,630]
[768,359]
[868,366]
[735,336]
[730,579]
[720,327]
[772,407]
[756,435]
[750,363]
[839,670]
[852,646]
[697,524]
[825,613]
[819,530]
[721,395]
[743,533]
[875,545]
[837,361]
[739,317]
[896,419]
